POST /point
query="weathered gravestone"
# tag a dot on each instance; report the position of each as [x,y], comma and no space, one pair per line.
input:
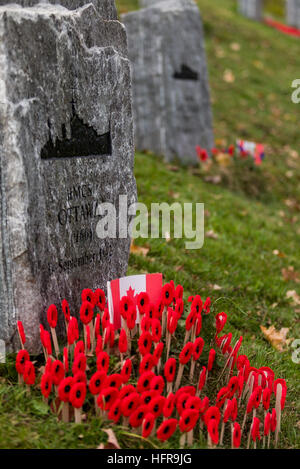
[66,145]
[252,9]
[148,3]
[106,8]
[171,100]
[293,13]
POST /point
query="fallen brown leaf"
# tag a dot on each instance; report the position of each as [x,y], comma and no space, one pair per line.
[276,338]
[139,250]
[294,296]
[211,234]
[290,274]
[228,76]
[278,253]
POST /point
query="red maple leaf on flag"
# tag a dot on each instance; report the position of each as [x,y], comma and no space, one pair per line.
[130,294]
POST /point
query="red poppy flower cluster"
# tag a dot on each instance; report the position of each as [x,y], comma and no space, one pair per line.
[151,386]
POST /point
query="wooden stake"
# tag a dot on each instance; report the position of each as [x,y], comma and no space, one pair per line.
[278,412]
[65,412]
[182,440]
[78,415]
[55,342]
[192,370]
[179,376]
[164,320]
[190,438]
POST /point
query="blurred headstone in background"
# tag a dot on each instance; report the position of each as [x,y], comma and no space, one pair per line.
[171,99]
[252,9]
[293,13]
[66,146]
[148,3]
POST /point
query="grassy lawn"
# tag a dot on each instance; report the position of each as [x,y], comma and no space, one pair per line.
[256,105]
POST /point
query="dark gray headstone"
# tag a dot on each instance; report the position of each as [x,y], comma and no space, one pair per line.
[171,100]
[106,8]
[66,145]
[252,9]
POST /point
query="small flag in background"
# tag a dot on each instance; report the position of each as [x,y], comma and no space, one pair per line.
[131,286]
[256,150]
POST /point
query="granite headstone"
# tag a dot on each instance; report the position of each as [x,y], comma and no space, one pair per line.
[293,13]
[252,9]
[171,99]
[66,145]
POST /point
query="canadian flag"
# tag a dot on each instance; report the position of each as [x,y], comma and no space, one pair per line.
[131,286]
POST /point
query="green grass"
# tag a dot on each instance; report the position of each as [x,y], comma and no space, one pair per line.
[256,106]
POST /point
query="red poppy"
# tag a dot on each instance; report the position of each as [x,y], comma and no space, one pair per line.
[266,398]
[156,330]
[267,424]
[221,396]
[151,311]
[156,405]
[157,384]
[109,335]
[79,363]
[198,348]
[99,346]
[269,374]
[212,413]
[142,302]
[86,312]
[73,331]
[166,429]
[131,318]
[97,325]
[97,381]
[243,363]
[146,324]
[123,341]
[88,295]
[77,395]
[57,371]
[202,379]
[103,362]
[80,377]
[65,387]
[234,411]
[148,424]
[190,320]
[227,411]
[158,352]
[172,321]
[170,370]
[66,359]
[105,319]
[137,417]
[126,304]
[188,420]
[206,306]
[212,427]
[221,319]
[257,396]
[211,359]
[126,370]
[282,382]
[167,294]
[145,343]
[147,396]
[186,353]
[46,385]
[232,386]
[99,298]
[146,364]
[236,435]
[193,402]
[169,405]
[160,308]
[115,411]
[179,307]
[179,292]
[197,304]
[255,429]
[273,420]
[52,316]
[21,332]
[21,359]
[48,366]
[107,398]
[66,310]
[144,381]
[42,330]
[130,404]
[114,381]
[185,389]
[227,340]
[181,402]
[198,323]
[29,373]
[126,390]
[79,348]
